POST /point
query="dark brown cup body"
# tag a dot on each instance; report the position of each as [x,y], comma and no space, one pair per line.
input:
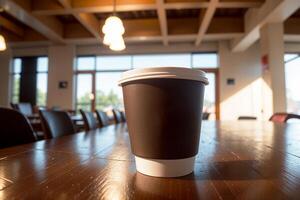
[164,117]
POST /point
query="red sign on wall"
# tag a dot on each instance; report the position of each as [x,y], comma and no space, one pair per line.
[265,63]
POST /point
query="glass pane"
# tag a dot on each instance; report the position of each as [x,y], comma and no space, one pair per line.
[162,60]
[15,99]
[210,96]
[16,88]
[108,93]
[42,64]
[86,63]
[113,62]
[86,107]
[205,60]
[42,81]
[292,71]
[84,91]
[290,56]
[17,65]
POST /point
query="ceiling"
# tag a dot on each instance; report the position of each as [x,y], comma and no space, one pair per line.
[165,21]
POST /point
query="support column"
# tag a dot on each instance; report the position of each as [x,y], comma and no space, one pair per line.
[61,73]
[5,67]
[272,55]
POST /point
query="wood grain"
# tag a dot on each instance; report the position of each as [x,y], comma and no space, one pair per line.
[237,160]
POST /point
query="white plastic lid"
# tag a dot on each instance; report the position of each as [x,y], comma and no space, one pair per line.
[164,72]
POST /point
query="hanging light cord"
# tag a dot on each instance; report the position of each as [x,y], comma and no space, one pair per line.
[114,7]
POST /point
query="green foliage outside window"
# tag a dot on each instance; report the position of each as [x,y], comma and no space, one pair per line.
[103,100]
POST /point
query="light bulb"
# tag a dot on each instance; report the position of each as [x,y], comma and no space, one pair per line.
[110,37]
[117,44]
[2,43]
[114,25]
[107,39]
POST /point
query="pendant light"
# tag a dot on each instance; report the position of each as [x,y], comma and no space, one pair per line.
[2,43]
[113,30]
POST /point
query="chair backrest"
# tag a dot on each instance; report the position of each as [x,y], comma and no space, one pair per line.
[283,117]
[90,122]
[15,128]
[117,116]
[56,123]
[102,118]
[247,118]
[205,115]
[25,108]
[123,116]
[13,106]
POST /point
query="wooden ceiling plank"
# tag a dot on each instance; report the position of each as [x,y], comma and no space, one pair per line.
[162,17]
[240,4]
[11,26]
[272,11]
[138,7]
[89,21]
[210,11]
[37,23]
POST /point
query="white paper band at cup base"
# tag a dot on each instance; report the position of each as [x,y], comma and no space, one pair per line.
[165,168]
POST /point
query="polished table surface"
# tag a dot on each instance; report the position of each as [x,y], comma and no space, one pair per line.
[244,160]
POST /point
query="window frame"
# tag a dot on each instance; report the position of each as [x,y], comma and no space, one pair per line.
[12,74]
[214,70]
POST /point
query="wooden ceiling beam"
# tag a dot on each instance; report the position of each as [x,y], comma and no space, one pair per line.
[138,7]
[89,21]
[159,38]
[205,20]
[272,11]
[11,26]
[46,25]
[162,17]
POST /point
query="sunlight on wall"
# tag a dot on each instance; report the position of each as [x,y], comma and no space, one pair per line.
[251,100]
[267,100]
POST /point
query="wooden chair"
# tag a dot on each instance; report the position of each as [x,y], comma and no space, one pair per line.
[117,116]
[247,118]
[283,117]
[25,108]
[56,123]
[15,128]
[102,118]
[90,122]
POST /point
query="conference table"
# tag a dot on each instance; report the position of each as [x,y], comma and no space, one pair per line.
[236,159]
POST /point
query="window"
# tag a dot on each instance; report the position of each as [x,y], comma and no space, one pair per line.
[108,93]
[84,92]
[205,60]
[97,77]
[162,60]
[16,76]
[292,71]
[86,63]
[42,81]
[40,71]
[108,63]
[209,104]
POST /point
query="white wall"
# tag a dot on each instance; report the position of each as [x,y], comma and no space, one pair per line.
[274,76]
[244,97]
[61,63]
[5,63]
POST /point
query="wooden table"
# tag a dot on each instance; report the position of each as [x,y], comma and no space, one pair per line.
[247,160]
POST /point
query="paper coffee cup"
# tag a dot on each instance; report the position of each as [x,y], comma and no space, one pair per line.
[164,111]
